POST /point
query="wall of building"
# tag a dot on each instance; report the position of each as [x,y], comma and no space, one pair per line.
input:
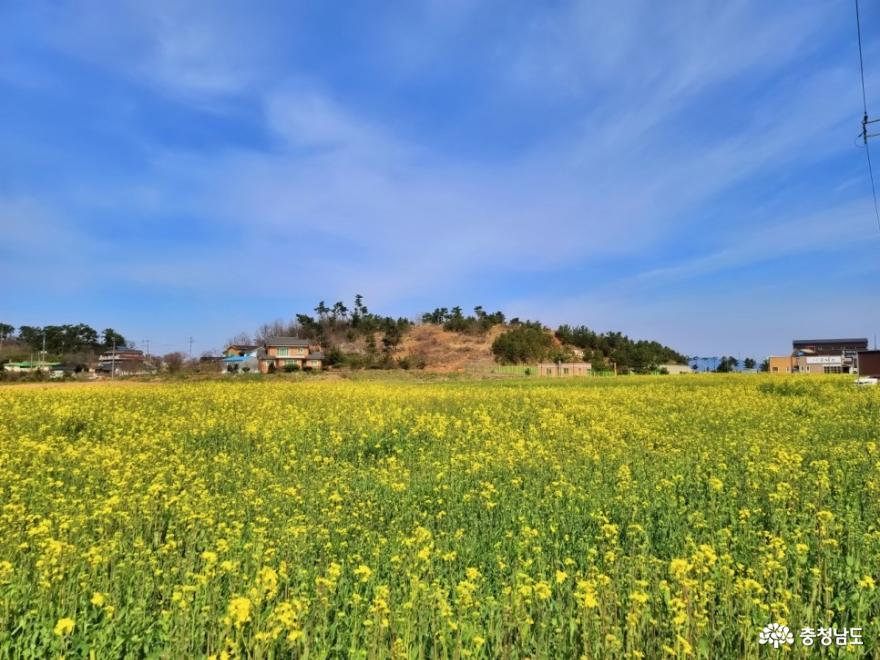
[292,351]
[869,363]
[821,364]
[564,369]
[780,364]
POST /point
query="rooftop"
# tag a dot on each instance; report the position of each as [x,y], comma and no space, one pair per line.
[121,353]
[850,340]
[26,364]
[287,341]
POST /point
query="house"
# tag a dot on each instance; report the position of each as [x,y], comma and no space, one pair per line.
[29,366]
[122,361]
[238,350]
[564,369]
[241,358]
[281,352]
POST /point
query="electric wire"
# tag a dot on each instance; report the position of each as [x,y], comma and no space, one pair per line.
[865,121]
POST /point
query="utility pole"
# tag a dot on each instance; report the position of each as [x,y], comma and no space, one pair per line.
[190,353]
[113,360]
[43,352]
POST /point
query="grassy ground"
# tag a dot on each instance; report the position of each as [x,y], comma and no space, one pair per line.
[628,517]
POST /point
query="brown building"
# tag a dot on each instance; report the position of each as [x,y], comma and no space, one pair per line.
[283,351]
[819,356]
[564,369]
[829,346]
[826,356]
[781,364]
[123,361]
[869,363]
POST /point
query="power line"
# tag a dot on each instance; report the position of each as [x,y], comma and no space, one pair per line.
[865,120]
[861,59]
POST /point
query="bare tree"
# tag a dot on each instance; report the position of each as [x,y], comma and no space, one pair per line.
[276,328]
[174,361]
[241,339]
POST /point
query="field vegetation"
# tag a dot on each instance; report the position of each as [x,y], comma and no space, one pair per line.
[615,518]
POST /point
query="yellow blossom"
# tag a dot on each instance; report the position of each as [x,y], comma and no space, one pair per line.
[239,611]
[63,627]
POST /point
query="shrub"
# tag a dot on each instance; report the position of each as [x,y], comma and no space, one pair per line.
[526,342]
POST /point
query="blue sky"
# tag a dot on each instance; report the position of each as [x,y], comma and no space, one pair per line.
[680,171]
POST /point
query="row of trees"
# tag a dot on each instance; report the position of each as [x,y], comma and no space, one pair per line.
[729,363]
[358,321]
[628,354]
[61,339]
[454,319]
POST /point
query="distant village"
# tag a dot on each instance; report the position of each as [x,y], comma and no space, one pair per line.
[360,339]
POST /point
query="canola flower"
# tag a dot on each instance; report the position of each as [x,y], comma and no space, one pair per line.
[625,518]
[64,627]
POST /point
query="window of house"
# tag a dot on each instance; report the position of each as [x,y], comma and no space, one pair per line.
[282,351]
[565,370]
[549,371]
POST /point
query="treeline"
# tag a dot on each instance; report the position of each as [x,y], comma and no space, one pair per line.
[530,342]
[61,339]
[729,363]
[601,347]
[454,319]
[331,324]
[355,322]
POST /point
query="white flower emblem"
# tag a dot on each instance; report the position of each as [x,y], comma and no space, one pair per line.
[776,635]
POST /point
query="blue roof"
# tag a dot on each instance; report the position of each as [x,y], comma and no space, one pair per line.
[236,358]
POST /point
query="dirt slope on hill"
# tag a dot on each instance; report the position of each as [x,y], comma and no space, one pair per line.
[448,351]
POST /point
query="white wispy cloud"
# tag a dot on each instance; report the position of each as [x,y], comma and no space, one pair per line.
[191,50]
[664,124]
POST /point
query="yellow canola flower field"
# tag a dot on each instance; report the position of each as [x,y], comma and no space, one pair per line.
[611,518]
